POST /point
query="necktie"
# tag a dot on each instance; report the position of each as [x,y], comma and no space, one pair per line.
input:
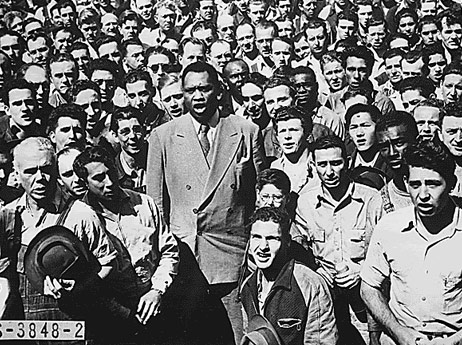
[205,143]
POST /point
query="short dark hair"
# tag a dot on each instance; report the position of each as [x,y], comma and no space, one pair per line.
[17,84]
[433,103]
[199,67]
[395,36]
[79,46]
[391,53]
[395,119]
[451,18]
[130,42]
[453,109]
[64,57]
[137,75]
[327,142]
[276,177]
[71,110]
[161,51]
[104,65]
[105,40]
[124,113]
[89,155]
[315,23]
[425,86]
[81,85]
[406,12]
[372,110]
[360,91]
[359,52]
[192,40]
[275,215]
[452,68]
[425,20]
[277,81]
[431,155]
[294,112]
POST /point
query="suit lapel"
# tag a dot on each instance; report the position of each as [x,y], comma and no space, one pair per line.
[189,148]
[225,145]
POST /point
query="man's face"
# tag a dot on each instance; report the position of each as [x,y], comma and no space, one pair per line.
[144,8]
[307,89]
[451,134]
[63,41]
[428,8]
[284,8]
[37,174]
[37,76]
[129,29]
[285,29]
[256,13]
[139,95]
[335,75]
[308,7]
[5,168]
[110,51]
[236,75]
[67,16]
[192,53]
[428,190]
[331,167]
[71,182]
[200,95]
[411,98]
[206,35]
[245,38]
[130,135]
[276,98]
[345,28]
[412,69]
[376,36]
[21,107]
[157,64]
[407,26]
[31,28]
[265,243]
[436,65]
[270,196]
[393,69]
[82,57]
[452,88]
[242,5]
[356,71]
[173,100]
[134,58]
[106,82]
[10,46]
[301,48]
[362,131]
[68,131]
[253,100]
[226,28]
[392,142]
[364,15]
[220,54]
[263,40]
[63,76]
[38,50]
[101,181]
[166,19]
[171,45]
[206,9]
[429,33]
[281,53]
[317,41]
[451,35]
[90,32]
[291,136]
[90,101]
[109,25]
[428,121]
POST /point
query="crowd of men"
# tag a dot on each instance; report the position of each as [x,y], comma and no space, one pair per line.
[233,171]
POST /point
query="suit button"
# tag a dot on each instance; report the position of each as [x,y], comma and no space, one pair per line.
[199,233]
[195,211]
[188,187]
[233,186]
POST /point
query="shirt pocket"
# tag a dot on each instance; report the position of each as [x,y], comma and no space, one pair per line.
[290,323]
[452,294]
[358,243]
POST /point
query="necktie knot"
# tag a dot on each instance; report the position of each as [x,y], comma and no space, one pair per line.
[205,143]
[204,128]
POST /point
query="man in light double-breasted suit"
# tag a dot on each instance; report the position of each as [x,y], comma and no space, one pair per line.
[201,172]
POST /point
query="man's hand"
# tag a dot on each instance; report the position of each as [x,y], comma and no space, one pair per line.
[348,278]
[54,287]
[326,275]
[149,305]
[409,336]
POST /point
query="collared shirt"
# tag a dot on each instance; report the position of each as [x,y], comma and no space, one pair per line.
[137,175]
[338,232]
[425,270]
[213,123]
[388,90]
[261,66]
[141,229]
[328,118]
[81,220]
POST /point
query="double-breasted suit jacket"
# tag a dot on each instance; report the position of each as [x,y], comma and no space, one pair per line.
[207,202]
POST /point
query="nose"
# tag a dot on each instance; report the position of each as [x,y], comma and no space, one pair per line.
[90,111]
[329,169]
[392,149]
[423,192]
[2,174]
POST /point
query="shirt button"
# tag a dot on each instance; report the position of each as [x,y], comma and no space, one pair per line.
[424,324]
[199,233]
[195,211]
[188,187]
[233,186]
[424,298]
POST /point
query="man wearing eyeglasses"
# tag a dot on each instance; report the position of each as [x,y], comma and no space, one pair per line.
[201,172]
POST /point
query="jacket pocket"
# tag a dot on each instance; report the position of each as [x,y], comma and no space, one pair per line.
[452,294]
[358,243]
[288,323]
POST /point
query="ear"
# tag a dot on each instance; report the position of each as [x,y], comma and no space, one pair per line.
[406,182]
[7,110]
[52,136]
